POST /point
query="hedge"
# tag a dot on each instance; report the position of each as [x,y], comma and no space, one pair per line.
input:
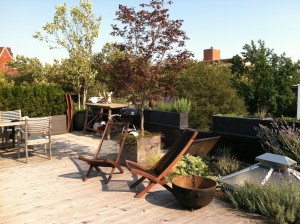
[34,101]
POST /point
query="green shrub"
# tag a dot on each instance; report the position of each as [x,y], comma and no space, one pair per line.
[164,106]
[151,159]
[182,105]
[209,89]
[189,165]
[225,163]
[279,202]
[36,100]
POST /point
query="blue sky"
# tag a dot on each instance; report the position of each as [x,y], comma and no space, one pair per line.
[223,24]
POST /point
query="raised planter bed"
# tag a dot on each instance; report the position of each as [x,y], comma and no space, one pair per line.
[242,126]
[239,134]
[169,119]
[138,149]
[58,124]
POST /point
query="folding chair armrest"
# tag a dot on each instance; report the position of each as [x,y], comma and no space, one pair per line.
[130,164]
[21,130]
[85,159]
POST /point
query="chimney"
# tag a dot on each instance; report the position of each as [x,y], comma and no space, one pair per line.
[212,54]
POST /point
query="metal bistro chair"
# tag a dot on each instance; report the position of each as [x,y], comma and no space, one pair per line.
[9,116]
[37,132]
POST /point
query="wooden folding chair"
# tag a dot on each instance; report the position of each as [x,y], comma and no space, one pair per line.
[157,174]
[103,161]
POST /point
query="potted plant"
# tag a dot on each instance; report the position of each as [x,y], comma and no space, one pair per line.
[78,119]
[171,114]
[190,187]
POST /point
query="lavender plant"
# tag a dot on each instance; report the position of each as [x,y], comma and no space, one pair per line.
[281,138]
[278,202]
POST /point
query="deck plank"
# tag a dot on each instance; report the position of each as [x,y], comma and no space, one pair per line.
[51,191]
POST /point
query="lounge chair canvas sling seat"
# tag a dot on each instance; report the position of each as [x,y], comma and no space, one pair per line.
[157,174]
[101,161]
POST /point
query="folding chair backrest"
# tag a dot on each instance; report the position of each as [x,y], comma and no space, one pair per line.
[38,125]
[175,152]
[10,115]
[123,126]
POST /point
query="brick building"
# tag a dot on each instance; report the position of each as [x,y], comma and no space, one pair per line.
[212,55]
[6,56]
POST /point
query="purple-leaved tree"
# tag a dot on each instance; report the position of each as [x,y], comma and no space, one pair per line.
[154,47]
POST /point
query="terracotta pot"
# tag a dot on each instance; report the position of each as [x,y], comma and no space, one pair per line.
[194,191]
[151,103]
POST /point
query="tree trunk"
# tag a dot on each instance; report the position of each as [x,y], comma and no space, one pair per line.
[79,101]
[84,97]
[142,121]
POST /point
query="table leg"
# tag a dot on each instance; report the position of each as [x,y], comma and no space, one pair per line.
[13,132]
[86,120]
[109,118]
[2,136]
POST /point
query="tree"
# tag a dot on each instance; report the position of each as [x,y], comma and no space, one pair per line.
[30,71]
[152,44]
[60,72]
[4,80]
[209,89]
[76,33]
[264,80]
[103,63]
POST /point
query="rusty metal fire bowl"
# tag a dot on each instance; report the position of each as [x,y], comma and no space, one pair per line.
[194,191]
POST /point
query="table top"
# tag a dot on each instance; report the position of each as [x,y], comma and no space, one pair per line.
[107,105]
[7,123]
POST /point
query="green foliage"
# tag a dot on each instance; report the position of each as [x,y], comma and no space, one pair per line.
[182,105]
[5,80]
[281,138]
[189,165]
[279,202]
[60,74]
[264,80]
[225,163]
[30,71]
[210,91]
[164,106]
[151,159]
[76,32]
[103,62]
[149,39]
[35,101]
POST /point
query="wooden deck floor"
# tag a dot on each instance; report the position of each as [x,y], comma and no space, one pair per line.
[45,191]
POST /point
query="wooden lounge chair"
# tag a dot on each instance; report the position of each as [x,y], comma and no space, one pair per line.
[112,159]
[157,174]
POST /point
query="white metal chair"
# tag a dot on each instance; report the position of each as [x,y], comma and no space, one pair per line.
[37,132]
[9,115]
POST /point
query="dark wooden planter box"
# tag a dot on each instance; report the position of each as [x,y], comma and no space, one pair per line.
[238,125]
[58,124]
[170,119]
[239,134]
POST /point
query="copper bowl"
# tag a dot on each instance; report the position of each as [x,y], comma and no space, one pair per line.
[194,191]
